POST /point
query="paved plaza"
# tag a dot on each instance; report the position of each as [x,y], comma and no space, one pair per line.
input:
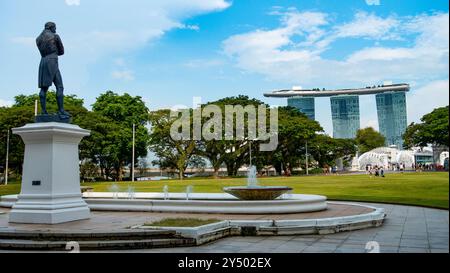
[117,220]
[406,229]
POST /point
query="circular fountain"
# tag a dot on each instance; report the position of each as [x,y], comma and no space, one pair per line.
[255,192]
[250,199]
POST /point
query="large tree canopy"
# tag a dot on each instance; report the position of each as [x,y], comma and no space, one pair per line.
[368,139]
[325,149]
[294,130]
[110,143]
[171,153]
[432,130]
[122,111]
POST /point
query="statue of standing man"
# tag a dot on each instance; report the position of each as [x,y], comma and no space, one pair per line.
[50,46]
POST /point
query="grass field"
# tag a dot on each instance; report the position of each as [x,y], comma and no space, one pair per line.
[423,189]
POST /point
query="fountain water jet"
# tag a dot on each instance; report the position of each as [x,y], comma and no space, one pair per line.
[188,191]
[255,192]
[115,190]
[166,192]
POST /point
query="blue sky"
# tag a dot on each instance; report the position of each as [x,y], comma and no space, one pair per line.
[170,51]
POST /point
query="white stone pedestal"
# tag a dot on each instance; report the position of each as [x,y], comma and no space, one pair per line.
[50,190]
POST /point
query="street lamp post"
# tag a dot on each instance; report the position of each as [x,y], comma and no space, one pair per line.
[7,159]
[306,155]
[132,159]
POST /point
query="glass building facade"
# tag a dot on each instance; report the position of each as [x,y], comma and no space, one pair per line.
[305,105]
[391,108]
[345,116]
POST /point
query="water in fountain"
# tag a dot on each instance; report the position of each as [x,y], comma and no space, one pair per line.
[131,192]
[252,182]
[166,192]
[115,190]
[287,195]
[188,191]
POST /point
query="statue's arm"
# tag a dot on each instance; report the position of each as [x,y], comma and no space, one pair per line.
[59,45]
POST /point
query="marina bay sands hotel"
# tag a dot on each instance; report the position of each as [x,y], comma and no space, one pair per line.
[390,100]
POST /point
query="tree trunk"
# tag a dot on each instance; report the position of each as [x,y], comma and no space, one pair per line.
[181,174]
[216,172]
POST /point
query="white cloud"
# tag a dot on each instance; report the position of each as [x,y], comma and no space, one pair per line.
[72,2]
[424,99]
[277,53]
[367,25]
[128,27]
[190,27]
[5,103]
[126,75]
[381,54]
[25,41]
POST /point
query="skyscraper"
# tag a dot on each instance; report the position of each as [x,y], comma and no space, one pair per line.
[345,116]
[391,108]
[305,105]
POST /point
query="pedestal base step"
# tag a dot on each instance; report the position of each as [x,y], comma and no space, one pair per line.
[45,216]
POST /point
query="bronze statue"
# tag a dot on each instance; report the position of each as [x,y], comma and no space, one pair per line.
[50,46]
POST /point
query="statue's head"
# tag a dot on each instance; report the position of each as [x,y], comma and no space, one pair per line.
[50,26]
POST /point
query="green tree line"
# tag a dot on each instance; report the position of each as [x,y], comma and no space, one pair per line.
[106,153]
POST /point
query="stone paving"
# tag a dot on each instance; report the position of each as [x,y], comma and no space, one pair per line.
[110,221]
[406,229]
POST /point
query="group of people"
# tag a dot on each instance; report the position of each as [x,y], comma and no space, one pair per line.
[328,169]
[397,167]
[376,171]
[423,167]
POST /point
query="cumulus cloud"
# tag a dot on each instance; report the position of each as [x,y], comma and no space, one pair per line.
[293,52]
[425,98]
[368,25]
[146,21]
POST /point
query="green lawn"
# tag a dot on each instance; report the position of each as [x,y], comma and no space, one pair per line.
[423,189]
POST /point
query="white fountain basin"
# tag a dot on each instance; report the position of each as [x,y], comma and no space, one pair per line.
[204,203]
[197,203]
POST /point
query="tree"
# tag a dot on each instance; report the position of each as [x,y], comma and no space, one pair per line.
[368,139]
[325,149]
[12,117]
[432,130]
[100,146]
[172,154]
[233,153]
[294,129]
[88,170]
[142,166]
[122,111]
